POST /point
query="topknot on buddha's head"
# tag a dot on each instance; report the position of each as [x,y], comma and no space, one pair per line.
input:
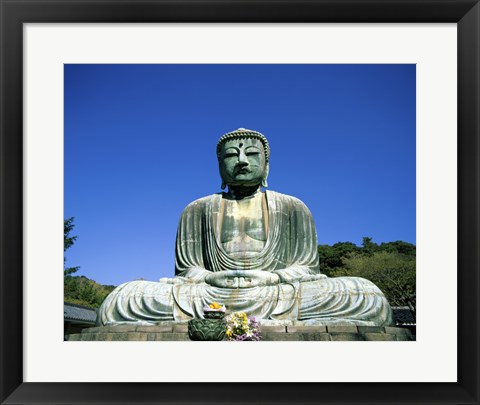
[243,133]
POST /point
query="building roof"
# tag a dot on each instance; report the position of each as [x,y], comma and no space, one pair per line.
[74,312]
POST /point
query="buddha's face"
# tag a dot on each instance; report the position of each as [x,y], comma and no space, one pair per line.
[242,162]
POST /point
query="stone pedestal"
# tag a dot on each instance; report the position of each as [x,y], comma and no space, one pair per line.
[177,331]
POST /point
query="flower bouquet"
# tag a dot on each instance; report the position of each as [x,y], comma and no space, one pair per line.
[241,327]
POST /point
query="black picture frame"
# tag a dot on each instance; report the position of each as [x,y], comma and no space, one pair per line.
[465,13]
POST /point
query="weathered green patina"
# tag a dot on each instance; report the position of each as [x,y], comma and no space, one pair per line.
[253,250]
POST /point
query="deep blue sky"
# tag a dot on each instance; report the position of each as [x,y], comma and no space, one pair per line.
[140,145]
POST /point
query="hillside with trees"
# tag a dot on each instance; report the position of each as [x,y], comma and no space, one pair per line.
[79,289]
[391,266]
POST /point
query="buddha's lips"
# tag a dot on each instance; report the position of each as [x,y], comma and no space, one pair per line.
[242,171]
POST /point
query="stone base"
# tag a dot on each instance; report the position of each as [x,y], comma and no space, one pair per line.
[177,331]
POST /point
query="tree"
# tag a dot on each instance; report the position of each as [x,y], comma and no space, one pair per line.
[68,241]
[330,257]
[84,291]
[368,247]
[399,246]
[80,289]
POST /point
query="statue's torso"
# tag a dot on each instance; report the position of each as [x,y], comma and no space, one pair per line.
[243,230]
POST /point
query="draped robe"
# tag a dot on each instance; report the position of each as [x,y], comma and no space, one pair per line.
[290,251]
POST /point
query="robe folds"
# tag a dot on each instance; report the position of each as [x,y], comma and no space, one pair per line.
[303,295]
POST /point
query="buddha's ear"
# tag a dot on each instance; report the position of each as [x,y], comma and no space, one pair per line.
[223,185]
[265,175]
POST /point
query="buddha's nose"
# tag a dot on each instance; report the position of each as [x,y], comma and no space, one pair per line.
[242,159]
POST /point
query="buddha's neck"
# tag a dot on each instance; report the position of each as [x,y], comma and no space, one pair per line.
[239,193]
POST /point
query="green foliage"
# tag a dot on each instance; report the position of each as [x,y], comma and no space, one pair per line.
[331,256]
[368,247]
[391,266]
[68,242]
[399,246]
[83,291]
[79,289]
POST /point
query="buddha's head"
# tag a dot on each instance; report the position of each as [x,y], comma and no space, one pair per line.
[243,157]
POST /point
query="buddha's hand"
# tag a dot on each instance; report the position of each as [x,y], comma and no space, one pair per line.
[242,278]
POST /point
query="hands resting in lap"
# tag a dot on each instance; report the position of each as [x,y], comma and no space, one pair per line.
[242,278]
[245,278]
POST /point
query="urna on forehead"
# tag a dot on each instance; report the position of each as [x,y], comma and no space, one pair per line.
[249,136]
[242,143]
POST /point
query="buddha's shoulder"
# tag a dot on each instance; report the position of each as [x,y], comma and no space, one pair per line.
[202,202]
[285,199]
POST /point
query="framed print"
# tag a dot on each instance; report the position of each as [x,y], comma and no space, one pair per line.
[39,38]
